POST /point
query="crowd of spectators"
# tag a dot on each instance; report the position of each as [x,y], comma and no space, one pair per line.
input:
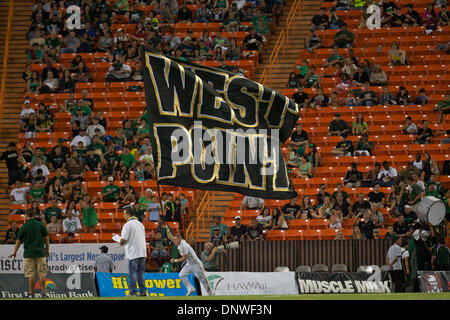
[55,177]
[355,79]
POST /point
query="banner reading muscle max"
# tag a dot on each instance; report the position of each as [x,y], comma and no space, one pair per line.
[215,130]
[344,282]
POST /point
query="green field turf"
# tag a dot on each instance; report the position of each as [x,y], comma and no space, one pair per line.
[391,296]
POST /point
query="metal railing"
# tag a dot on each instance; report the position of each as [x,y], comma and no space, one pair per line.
[282,41]
[5,59]
[203,209]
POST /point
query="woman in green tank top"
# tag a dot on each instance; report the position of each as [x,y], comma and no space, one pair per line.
[34,83]
[222,4]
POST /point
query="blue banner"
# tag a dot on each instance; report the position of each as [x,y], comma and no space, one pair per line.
[157,284]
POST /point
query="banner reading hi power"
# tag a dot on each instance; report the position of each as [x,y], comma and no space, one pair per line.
[214,130]
[157,284]
[344,282]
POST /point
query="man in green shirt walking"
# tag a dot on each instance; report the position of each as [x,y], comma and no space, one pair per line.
[34,236]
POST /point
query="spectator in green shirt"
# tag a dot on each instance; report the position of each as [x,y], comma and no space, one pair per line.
[121,7]
[53,41]
[344,38]
[144,201]
[345,195]
[81,104]
[38,193]
[127,158]
[443,107]
[90,218]
[262,29]
[111,192]
[312,78]
[223,227]
[53,210]
[441,256]
[34,236]
[334,58]
[166,266]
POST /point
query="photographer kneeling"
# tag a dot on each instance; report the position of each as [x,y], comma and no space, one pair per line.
[209,257]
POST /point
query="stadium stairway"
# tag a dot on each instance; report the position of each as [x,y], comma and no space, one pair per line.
[218,207]
[279,76]
[281,71]
[14,89]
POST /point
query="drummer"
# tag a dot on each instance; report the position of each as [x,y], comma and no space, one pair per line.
[415,193]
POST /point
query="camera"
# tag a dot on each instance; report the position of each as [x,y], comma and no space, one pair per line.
[228,246]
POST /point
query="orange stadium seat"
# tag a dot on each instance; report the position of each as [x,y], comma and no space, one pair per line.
[312,234]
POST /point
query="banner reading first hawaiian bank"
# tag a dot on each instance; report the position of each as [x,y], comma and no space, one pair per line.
[214,130]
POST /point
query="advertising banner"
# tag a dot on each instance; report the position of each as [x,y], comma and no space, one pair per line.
[344,282]
[251,283]
[65,257]
[433,281]
[157,284]
[60,285]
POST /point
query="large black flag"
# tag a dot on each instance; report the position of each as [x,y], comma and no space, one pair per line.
[214,130]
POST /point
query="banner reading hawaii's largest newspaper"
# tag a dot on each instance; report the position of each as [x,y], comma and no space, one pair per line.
[66,256]
[214,130]
[250,283]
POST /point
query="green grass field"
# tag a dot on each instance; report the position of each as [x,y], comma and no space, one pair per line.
[391,296]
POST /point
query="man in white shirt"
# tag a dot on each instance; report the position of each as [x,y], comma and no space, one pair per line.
[81,137]
[192,265]
[28,109]
[133,238]
[252,203]
[394,264]
[95,125]
[71,224]
[18,195]
[387,176]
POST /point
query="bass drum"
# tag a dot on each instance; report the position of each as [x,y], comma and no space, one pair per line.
[431,210]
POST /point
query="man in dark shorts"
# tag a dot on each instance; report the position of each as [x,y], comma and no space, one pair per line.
[34,236]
